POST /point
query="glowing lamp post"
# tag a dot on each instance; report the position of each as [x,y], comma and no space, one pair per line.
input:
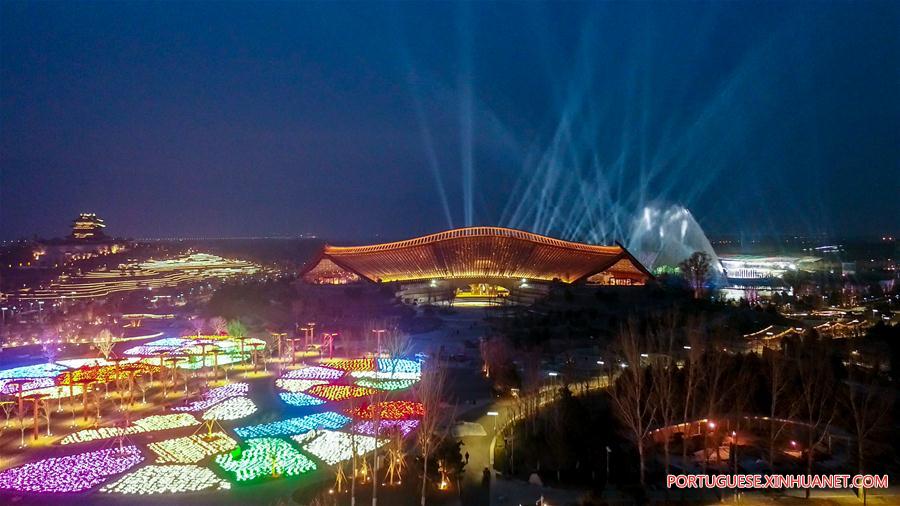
[378,333]
[494,415]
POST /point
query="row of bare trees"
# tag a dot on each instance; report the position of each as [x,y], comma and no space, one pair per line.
[670,373]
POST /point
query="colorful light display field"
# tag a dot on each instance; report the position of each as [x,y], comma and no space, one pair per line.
[148,424]
[72,473]
[390,410]
[293,426]
[234,408]
[195,351]
[171,479]
[314,372]
[298,385]
[264,456]
[340,392]
[192,449]
[300,399]
[333,447]
[177,468]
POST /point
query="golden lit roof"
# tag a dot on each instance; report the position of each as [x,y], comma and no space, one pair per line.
[474,252]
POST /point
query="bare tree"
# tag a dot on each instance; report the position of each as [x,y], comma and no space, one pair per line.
[696,271]
[716,388]
[430,393]
[695,349]
[630,393]
[218,324]
[105,343]
[815,374]
[198,324]
[664,387]
[869,406]
[781,406]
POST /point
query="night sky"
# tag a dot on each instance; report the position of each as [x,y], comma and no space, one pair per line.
[362,119]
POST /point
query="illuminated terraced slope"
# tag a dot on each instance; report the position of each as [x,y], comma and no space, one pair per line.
[477,253]
[142,276]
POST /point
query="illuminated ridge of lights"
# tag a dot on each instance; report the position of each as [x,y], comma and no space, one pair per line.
[300,399]
[291,426]
[191,449]
[72,473]
[340,392]
[148,424]
[231,409]
[314,372]
[263,457]
[333,447]
[298,385]
[171,479]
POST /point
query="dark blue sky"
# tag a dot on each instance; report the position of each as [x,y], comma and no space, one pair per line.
[346,119]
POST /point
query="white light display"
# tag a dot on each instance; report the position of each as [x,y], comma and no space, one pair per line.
[297,385]
[333,447]
[170,479]
[191,449]
[148,424]
[231,409]
[314,372]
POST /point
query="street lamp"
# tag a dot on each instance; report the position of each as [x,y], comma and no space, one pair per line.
[494,415]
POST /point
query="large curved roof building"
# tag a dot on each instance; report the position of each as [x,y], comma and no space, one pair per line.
[477,254]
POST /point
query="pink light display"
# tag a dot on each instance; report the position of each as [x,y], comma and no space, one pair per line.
[367,427]
[72,473]
[215,396]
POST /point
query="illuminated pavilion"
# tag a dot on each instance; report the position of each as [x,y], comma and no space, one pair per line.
[485,261]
